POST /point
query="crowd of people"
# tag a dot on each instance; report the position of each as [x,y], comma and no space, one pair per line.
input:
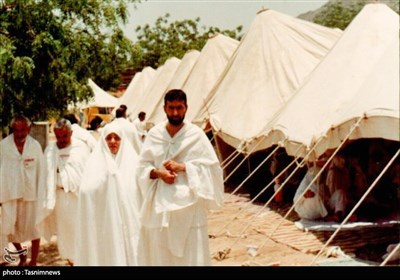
[126,196]
[125,199]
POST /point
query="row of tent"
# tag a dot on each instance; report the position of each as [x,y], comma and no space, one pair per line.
[288,82]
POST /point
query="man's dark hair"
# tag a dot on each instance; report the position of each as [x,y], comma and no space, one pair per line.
[120,113]
[72,118]
[123,106]
[141,114]
[95,123]
[175,94]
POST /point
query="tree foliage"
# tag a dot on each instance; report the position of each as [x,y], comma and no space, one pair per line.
[339,13]
[49,49]
[167,39]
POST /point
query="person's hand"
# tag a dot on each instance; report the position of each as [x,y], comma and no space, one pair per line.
[174,166]
[309,194]
[167,176]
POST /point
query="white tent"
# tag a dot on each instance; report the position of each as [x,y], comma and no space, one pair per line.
[358,78]
[157,114]
[136,88]
[184,69]
[212,61]
[101,98]
[157,87]
[100,104]
[273,59]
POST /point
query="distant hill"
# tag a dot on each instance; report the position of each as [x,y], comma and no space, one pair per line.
[394,4]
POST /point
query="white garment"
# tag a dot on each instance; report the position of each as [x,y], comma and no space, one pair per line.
[184,242]
[18,218]
[130,132]
[311,207]
[141,128]
[174,216]
[108,222]
[58,213]
[20,173]
[83,135]
[22,176]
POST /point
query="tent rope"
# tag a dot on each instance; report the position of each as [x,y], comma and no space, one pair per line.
[254,199]
[314,179]
[223,254]
[357,205]
[244,159]
[229,160]
[394,251]
[258,167]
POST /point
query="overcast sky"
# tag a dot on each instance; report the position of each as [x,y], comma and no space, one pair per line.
[224,14]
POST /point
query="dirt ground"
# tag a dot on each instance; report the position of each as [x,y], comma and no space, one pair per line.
[238,237]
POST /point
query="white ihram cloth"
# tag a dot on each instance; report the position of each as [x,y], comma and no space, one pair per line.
[174,216]
[107,223]
[130,131]
[84,135]
[59,201]
[22,175]
[141,128]
[311,207]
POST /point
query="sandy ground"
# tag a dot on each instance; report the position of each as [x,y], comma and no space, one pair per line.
[237,238]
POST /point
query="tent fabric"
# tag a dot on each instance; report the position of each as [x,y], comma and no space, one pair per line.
[157,87]
[358,78]
[134,109]
[209,66]
[157,115]
[136,88]
[101,97]
[273,59]
[184,69]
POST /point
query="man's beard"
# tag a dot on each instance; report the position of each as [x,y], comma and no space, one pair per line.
[175,121]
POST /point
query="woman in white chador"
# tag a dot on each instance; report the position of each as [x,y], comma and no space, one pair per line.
[107,208]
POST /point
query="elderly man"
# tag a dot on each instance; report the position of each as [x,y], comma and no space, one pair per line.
[22,174]
[64,160]
[180,178]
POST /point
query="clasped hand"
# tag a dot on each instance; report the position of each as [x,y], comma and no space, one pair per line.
[172,168]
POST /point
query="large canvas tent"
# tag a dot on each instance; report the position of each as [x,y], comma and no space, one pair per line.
[273,59]
[157,114]
[212,61]
[101,104]
[101,98]
[359,78]
[157,87]
[136,88]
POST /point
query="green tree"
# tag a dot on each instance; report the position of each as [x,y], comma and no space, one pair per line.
[339,13]
[49,49]
[166,39]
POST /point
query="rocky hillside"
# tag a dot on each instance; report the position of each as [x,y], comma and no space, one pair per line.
[394,4]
